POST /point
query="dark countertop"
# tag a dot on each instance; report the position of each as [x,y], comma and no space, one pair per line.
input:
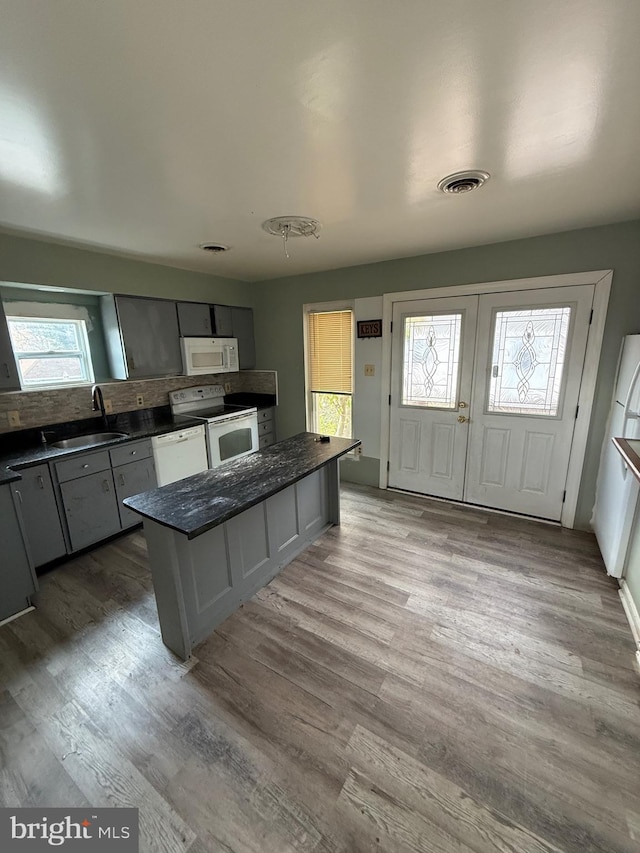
[196,504]
[629,449]
[136,424]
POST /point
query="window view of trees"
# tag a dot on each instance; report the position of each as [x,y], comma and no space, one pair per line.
[332,414]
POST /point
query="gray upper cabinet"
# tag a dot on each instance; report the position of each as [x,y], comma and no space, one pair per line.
[40,513]
[194,319]
[9,379]
[17,578]
[221,321]
[242,325]
[142,336]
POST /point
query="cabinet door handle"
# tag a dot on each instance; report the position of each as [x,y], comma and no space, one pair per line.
[19,494]
[41,481]
[7,373]
[105,485]
[121,478]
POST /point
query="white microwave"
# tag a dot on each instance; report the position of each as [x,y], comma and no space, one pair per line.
[209,355]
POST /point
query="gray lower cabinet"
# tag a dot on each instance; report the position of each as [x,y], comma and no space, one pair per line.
[194,319]
[90,508]
[17,578]
[40,512]
[131,479]
[93,485]
[242,326]
[9,379]
[266,427]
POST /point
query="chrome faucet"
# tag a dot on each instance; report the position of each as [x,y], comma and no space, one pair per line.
[97,404]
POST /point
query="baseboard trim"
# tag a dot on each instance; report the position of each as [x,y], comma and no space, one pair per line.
[16,615]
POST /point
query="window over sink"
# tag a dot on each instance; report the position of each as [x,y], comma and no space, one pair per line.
[50,352]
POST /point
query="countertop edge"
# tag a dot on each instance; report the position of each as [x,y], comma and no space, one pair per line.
[629,455]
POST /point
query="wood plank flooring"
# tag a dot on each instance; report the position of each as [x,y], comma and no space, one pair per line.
[426,677]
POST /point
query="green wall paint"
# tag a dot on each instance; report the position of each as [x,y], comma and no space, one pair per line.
[278,303]
[279,308]
[36,262]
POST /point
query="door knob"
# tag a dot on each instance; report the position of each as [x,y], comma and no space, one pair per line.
[462,405]
[462,419]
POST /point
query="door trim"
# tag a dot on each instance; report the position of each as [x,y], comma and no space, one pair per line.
[600,278]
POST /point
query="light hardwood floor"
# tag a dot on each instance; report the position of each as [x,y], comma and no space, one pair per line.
[425,677]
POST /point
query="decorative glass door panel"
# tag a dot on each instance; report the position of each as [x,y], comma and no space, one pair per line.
[432,364]
[529,348]
[431,360]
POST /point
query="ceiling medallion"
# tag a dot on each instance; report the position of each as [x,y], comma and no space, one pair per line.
[292,226]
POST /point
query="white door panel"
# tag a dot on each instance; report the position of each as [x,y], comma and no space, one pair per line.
[432,364]
[529,358]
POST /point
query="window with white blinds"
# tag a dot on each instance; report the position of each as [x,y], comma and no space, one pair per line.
[330,371]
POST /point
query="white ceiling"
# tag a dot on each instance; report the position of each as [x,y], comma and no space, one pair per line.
[145,127]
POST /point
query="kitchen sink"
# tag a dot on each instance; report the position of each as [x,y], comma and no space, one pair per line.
[87,440]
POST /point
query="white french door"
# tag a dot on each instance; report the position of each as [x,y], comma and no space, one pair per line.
[432,364]
[484,394]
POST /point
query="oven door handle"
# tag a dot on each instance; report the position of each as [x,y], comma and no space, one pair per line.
[232,419]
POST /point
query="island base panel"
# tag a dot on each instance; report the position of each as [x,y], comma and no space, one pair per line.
[200,582]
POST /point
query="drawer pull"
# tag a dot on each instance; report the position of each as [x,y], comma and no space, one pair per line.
[86,465]
[133,452]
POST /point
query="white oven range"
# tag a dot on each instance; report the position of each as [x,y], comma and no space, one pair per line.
[231,431]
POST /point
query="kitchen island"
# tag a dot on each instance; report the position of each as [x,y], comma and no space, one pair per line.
[217,537]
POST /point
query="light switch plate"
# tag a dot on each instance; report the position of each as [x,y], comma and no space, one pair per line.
[369,370]
[227,387]
[14,418]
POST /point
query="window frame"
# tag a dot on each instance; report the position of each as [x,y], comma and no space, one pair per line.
[316,308]
[83,353]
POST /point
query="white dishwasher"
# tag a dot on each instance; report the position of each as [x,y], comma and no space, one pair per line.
[179,454]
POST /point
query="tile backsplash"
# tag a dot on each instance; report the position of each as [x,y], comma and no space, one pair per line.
[54,406]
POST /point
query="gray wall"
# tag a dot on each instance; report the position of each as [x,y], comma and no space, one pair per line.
[279,308]
[29,261]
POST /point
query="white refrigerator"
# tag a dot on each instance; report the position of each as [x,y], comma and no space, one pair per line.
[617,489]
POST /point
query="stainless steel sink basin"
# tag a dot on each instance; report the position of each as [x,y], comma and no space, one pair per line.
[87,440]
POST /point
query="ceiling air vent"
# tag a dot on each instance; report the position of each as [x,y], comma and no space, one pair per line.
[463,182]
[215,248]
